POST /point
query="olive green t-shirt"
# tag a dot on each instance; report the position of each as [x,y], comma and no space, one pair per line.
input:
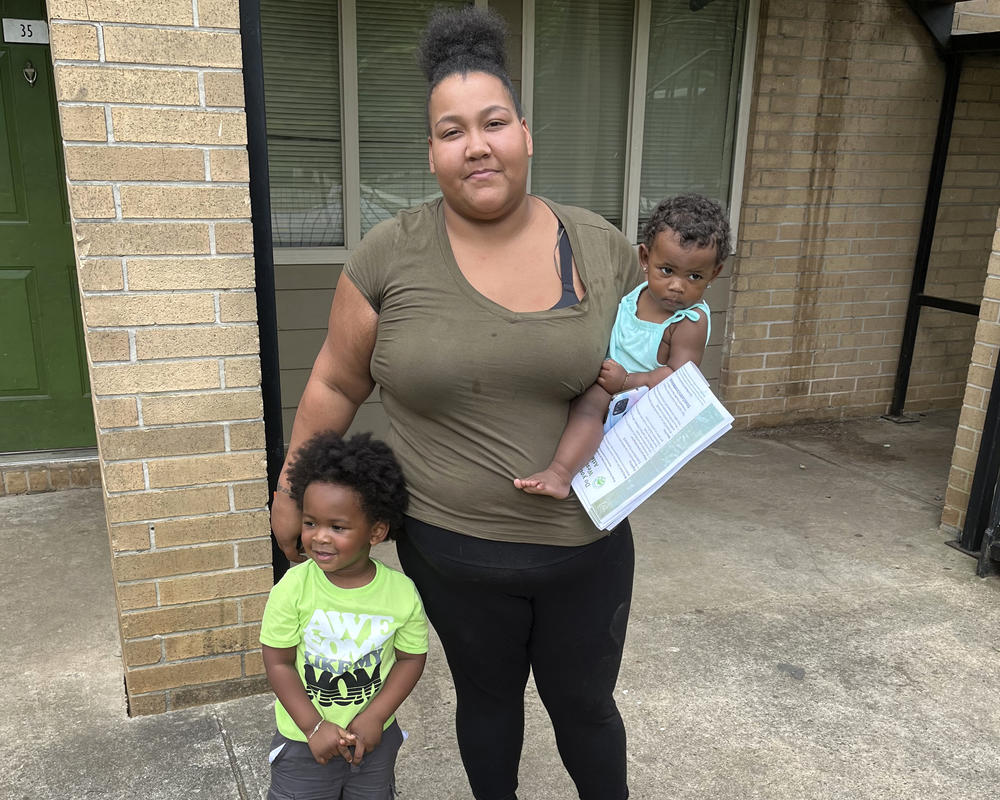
[476,394]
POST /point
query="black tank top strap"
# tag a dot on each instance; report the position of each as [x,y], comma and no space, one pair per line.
[569,297]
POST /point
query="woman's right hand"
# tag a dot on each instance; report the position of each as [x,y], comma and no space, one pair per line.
[286,522]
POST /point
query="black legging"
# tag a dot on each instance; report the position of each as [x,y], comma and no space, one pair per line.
[565,621]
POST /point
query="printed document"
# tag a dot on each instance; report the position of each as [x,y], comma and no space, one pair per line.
[671,423]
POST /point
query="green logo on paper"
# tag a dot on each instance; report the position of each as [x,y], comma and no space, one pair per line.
[600,481]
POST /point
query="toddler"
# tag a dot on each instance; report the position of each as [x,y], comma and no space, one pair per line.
[344,637]
[661,325]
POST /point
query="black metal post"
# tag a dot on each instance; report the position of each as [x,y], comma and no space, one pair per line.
[984,480]
[953,75]
[260,205]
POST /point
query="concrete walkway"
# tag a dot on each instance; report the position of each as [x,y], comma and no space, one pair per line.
[799,630]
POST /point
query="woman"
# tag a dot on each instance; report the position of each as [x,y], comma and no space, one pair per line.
[482,316]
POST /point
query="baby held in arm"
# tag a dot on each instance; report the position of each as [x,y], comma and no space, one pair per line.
[661,325]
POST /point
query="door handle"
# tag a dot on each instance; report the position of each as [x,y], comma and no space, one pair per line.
[30,73]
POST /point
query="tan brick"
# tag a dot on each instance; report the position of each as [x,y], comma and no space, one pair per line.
[158,442]
[153,309]
[116,412]
[129,537]
[178,127]
[83,124]
[219,692]
[242,372]
[193,273]
[207,469]
[230,165]
[123,477]
[15,482]
[250,495]
[168,676]
[196,341]
[92,202]
[59,477]
[206,407]
[174,591]
[180,618]
[158,504]
[227,527]
[187,202]
[185,48]
[108,346]
[182,561]
[136,595]
[224,89]
[126,85]
[252,608]
[38,480]
[130,163]
[80,476]
[219,14]
[255,553]
[74,42]
[233,237]
[147,651]
[140,238]
[147,704]
[101,274]
[253,664]
[246,436]
[213,642]
[154,12]
[238,307]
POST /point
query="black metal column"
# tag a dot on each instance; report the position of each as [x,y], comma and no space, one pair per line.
[953,75]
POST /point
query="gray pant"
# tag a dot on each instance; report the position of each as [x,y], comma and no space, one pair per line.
[296,774]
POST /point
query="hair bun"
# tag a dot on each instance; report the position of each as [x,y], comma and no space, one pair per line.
[460,40]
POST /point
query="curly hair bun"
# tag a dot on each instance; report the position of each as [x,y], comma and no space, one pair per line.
[462,40]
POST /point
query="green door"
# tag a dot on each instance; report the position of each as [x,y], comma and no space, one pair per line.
[44,387]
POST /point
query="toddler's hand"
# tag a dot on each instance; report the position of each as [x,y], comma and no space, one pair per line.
[612,376]
[367,731]
[329,741]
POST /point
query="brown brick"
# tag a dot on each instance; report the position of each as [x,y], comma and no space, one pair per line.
[59,478]
[83,123]
[252,608]
[101,274]
[186,48]
[168,676]
[218,14]
[246,436]
[193,273]
[223,528]
[224,89]
[219,692]
[147,651]
[160,12]
[74,42]
[185,202]
[129,537]
[253,663]
[196,341]
[250,496]
[255,553]
[212,587]
[180,618]
[80,477]
[179,127]
[230,165]
[38,480]
[159,504]
[242,372]
[233,237]
[176,376]
[15,481]
[207,469]
[108,345]
[182,561]
[124,476]
[126,85]
[203,407]
[140,238]
[238,307]
[129,163]
[136,595]
[147,704]
[116,412]
[158,442]
[213,642]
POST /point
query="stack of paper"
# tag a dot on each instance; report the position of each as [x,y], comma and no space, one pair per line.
[673,422]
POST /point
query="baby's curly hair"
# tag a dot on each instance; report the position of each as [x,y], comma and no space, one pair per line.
[465,40]
[361,463]
[696,219]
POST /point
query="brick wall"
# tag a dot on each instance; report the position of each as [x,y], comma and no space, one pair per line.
[840,146]
[976,16]
[977,395]
[151,106]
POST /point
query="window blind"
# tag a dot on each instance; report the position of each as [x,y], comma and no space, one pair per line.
[690,101]
[300,45]
[583,53]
